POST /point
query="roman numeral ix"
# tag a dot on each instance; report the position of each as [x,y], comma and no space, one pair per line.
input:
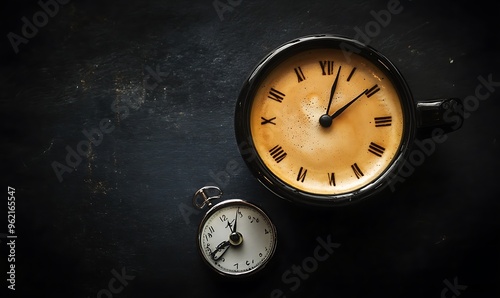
[276,95]
[277,153]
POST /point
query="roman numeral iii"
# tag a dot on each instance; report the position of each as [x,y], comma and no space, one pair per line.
[376,149]
[383,121]
[277,153]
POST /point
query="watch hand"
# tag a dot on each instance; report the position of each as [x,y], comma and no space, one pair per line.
[223,246]
[334,86]
[337,113]
[235,238]
[235,220]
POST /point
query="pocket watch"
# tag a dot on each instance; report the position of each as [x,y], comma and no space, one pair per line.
[235,238]
[327,120]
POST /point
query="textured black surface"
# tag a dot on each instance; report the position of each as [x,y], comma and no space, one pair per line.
[126,204]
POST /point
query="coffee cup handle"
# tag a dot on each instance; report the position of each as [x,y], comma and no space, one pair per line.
[443,115]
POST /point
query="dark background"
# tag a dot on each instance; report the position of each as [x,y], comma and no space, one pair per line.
[127,202]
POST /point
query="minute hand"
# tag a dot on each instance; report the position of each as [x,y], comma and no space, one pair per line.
[339,111]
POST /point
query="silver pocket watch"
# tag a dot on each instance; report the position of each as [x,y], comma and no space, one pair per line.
[235,237]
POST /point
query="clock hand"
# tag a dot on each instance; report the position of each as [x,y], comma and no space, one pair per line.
[337,113]
[235,238]
[235,221]
[326,120]
[334,86]
[223,246]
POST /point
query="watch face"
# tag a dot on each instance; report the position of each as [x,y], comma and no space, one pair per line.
[236,238]
[326,124]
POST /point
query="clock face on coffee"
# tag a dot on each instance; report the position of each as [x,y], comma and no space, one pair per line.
[326,124]
[306,134]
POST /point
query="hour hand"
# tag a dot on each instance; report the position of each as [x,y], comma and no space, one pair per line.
[220,250]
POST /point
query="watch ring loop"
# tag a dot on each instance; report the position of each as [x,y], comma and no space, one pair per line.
[206,198]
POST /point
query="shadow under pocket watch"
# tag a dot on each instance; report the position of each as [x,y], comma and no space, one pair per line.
[325,120]
[235,237]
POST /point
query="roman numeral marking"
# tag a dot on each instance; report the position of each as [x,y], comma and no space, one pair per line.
[331,179]
[300,74]
[376,149]
[350,75]
[372,91]
[276,95]
[268,121]
[277,153]
[326,67]
[383,121]
[302,174]
[357,171]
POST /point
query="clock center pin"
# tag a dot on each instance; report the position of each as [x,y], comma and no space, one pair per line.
[325,120]
[236,238]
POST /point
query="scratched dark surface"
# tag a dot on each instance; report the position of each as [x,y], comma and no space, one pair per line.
[126,204]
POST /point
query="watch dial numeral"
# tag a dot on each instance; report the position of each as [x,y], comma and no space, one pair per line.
[276,95]
[300,75]
[253,219]
[326,67]
[383,121]
[301,176]
[277,153]
[207,236]
[331,179]
[376,149]
[372,90]
[357,171]
[350,75]
[268,121]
